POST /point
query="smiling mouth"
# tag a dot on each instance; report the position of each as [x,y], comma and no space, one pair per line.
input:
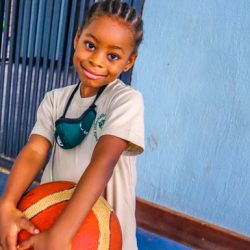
[92,75]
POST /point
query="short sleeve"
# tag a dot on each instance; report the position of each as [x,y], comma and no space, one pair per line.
[125,119]
[44,125]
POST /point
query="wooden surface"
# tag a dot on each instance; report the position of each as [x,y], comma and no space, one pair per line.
[187,230]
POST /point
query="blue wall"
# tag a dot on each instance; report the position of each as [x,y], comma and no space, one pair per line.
[194,72]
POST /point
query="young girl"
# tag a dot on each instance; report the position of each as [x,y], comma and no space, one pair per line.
[102,163]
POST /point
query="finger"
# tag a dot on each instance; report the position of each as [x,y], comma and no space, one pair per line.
[3,245]
[11,241]
[25,244]
[28,226]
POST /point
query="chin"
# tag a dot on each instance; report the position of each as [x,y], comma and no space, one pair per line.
[93,83]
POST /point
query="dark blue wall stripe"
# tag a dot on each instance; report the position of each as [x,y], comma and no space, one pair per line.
[31,49]
[62,41]
[5,93]
[71,32]
[24,87]
[3,59]
[12,105]
[53,42]
[1,20]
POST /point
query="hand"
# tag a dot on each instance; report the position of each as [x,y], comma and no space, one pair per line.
[48,240]
[12,221]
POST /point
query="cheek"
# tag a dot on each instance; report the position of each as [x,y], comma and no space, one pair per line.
[116,70]
[80,53]
[76,57]
[121,66]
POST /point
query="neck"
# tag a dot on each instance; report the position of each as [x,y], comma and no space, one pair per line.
[87,91]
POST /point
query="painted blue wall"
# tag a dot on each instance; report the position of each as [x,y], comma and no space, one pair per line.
[194,72]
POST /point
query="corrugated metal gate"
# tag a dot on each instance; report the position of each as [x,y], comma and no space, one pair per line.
[36,56]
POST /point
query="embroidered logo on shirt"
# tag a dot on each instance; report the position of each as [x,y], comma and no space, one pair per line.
[98,125]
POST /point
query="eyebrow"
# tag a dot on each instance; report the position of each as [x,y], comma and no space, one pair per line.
[110,47]
[89,34]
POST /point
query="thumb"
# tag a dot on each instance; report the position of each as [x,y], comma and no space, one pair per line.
[28,226]
[27,244]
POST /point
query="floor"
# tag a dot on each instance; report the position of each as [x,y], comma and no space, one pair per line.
[146,240]
[150,241]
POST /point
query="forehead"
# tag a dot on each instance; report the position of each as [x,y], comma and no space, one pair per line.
[110,31]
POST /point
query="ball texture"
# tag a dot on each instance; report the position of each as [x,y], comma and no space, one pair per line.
[43,204]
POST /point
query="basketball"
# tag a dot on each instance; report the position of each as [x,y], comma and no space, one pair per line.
[43,204]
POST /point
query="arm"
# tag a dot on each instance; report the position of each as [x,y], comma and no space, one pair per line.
[89,188]
[29,162]
[92,183]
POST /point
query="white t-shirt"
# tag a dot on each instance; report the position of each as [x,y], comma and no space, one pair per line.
[119,113]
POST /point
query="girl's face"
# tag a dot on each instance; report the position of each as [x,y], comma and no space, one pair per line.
[102,52]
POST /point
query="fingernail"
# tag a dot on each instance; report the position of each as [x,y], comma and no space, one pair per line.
[36,231]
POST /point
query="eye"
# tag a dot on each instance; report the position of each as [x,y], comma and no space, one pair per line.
[90,45]
[113,57]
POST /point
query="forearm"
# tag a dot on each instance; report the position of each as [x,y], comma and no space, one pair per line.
[27,165]
[89,189]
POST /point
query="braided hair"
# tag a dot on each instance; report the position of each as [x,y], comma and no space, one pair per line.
[120,10]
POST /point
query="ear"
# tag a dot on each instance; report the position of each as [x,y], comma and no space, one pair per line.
[130,62]
[76,39]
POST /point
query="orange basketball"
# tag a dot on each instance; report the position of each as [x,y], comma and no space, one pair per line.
[44,203]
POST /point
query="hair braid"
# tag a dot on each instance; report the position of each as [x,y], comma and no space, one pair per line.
[115,6]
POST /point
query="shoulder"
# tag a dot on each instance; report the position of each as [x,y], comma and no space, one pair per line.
[57,93]
[57,97]
[54,100]
[120,92]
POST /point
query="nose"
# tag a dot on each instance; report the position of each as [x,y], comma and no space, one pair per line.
[97,60]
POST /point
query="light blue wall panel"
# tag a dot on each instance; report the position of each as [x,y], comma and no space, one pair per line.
[193,70]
